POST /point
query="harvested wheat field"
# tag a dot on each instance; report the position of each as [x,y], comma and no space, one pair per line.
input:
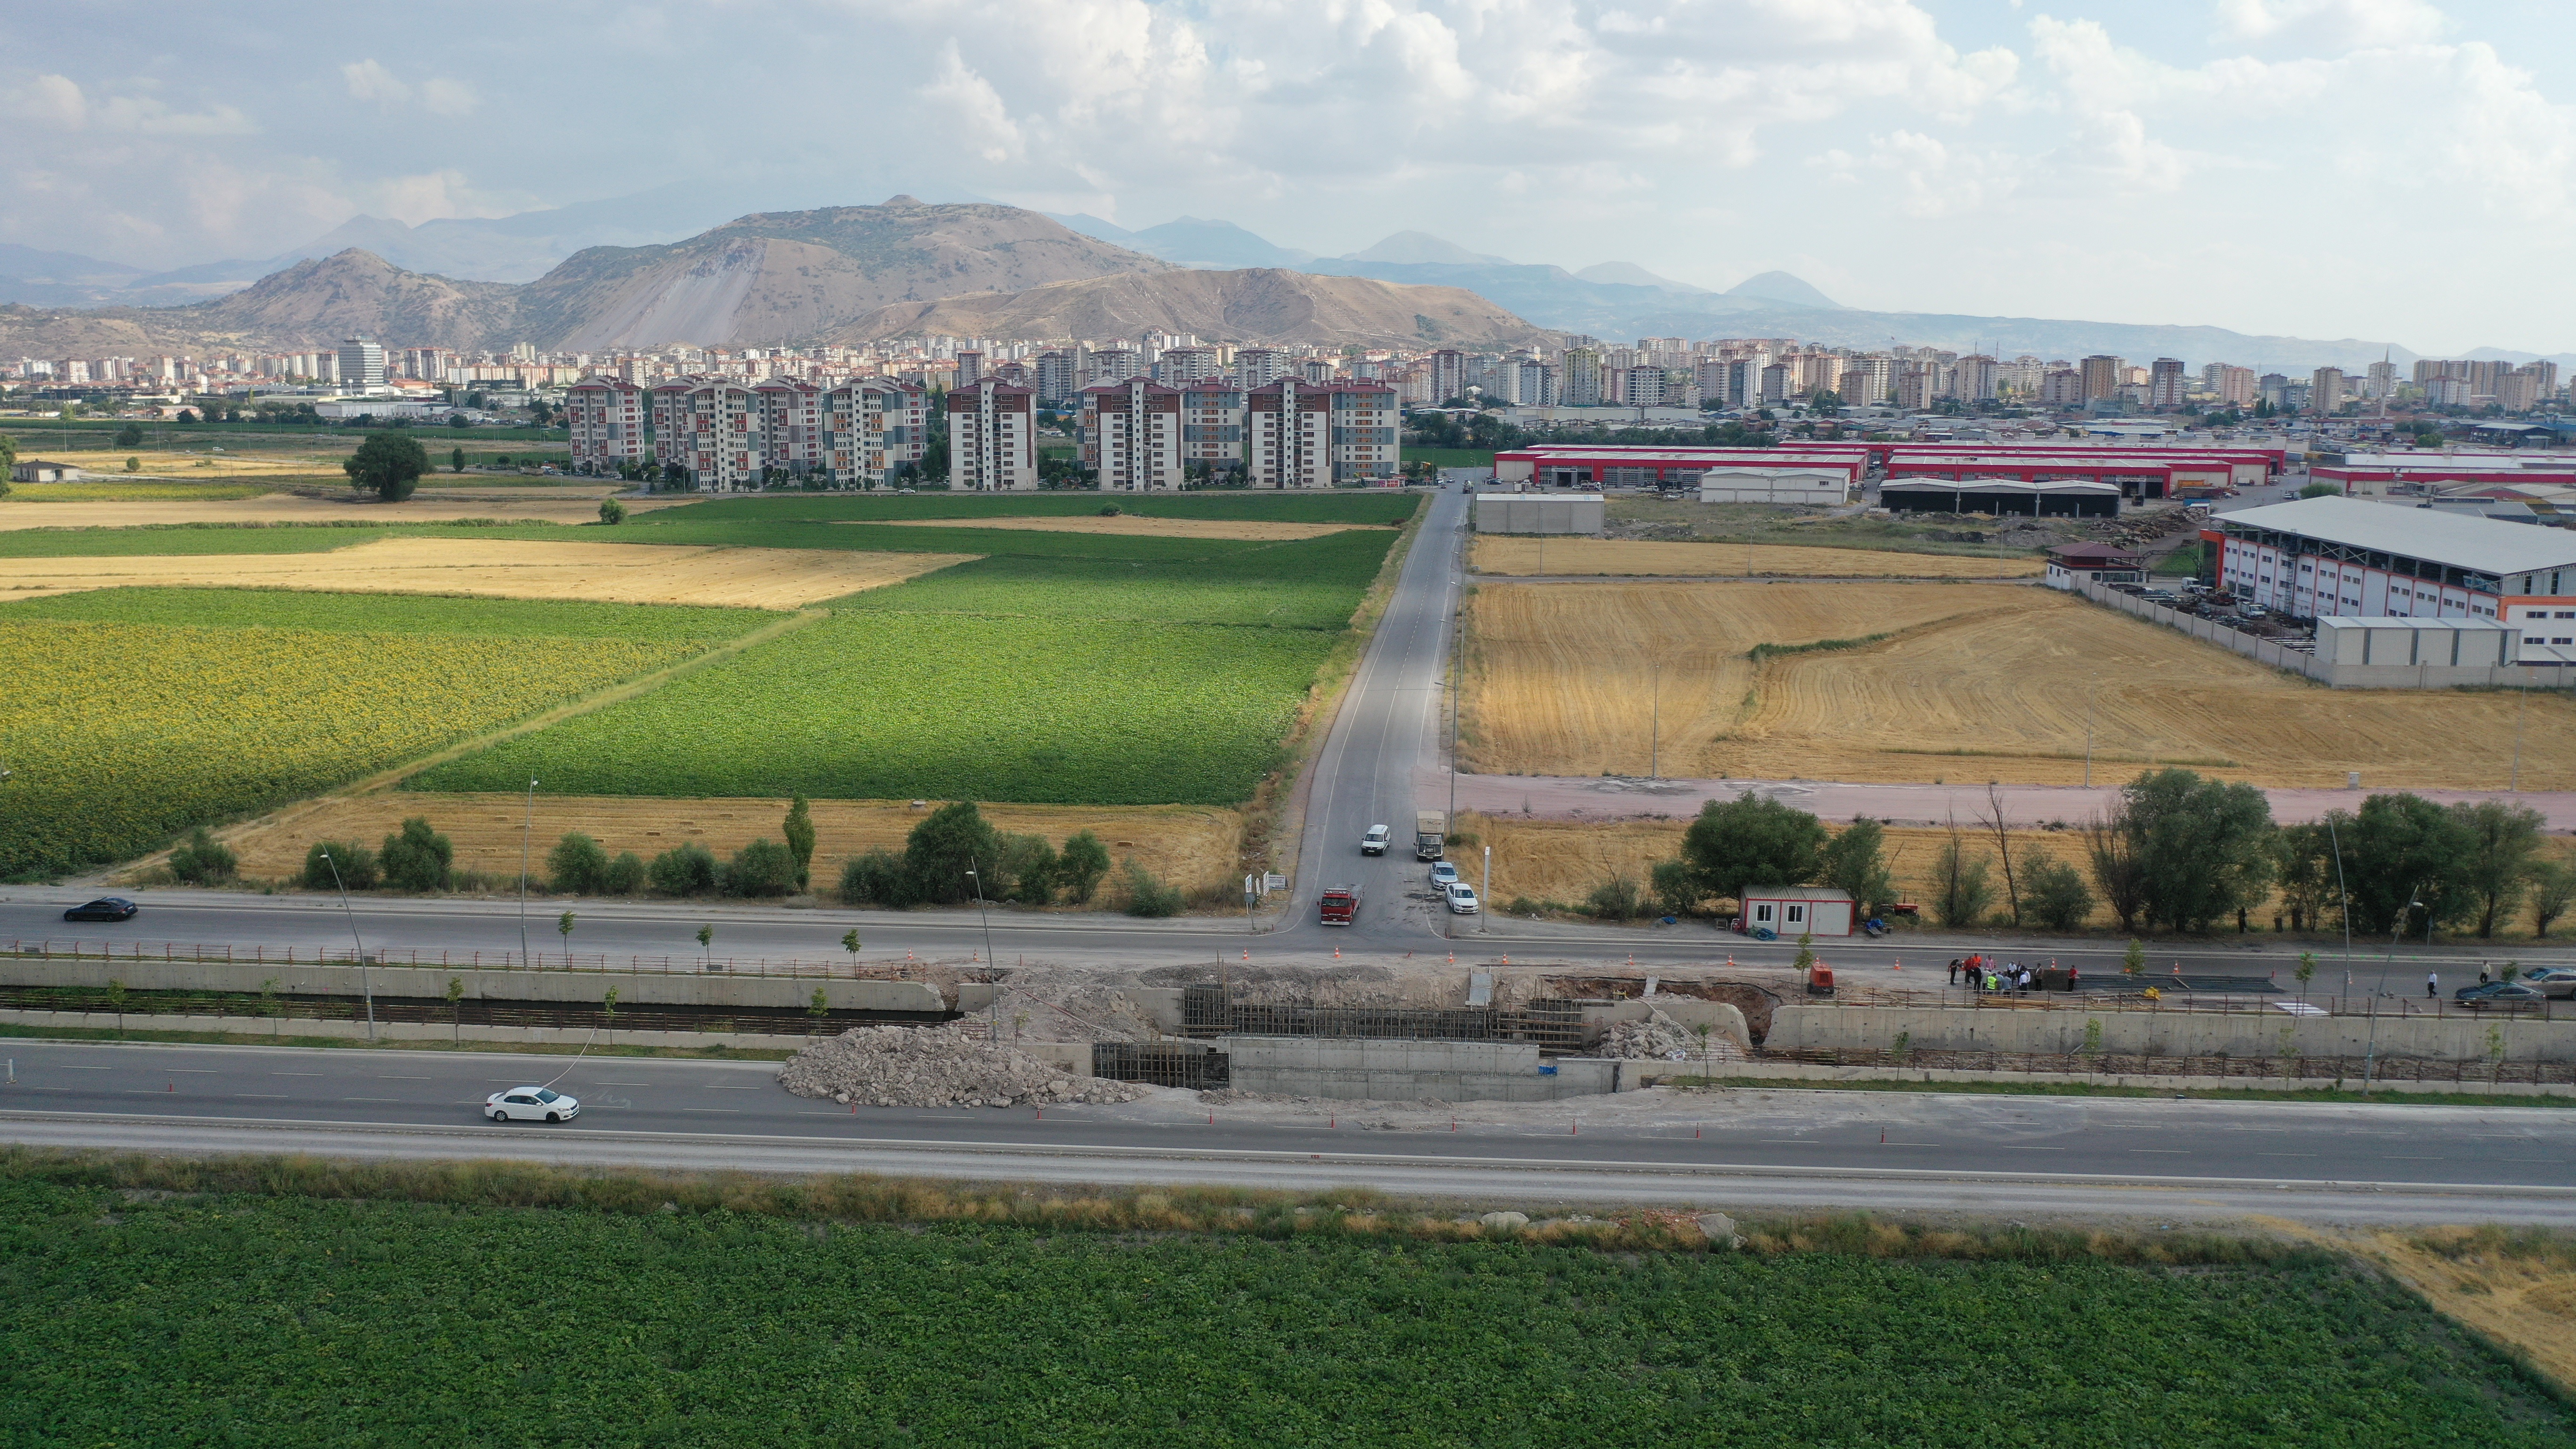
[1563,677]
[109,512]
[1257,530]
[1614,556]
[1977,682]
[1191,847]
[620,573]
[2518,1288]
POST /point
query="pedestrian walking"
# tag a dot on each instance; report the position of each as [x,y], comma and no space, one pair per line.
[2482,973]
[2433,984]
[1954,970]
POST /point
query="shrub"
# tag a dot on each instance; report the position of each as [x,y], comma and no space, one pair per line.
[762,868]
[1028,866]
[351,867]
[1960,891]
[953,840]
[2055,895]
[611,511]
[202,861]
[1615,899]
[389,464]
[577,866]
[1079,869]
[684,870]
[876,879]
[625,874]
[1147,896]
[799,830]
[1676,887]
[417,858]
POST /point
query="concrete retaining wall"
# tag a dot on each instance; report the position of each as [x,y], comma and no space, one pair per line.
[1374,1069]
[585,988]
[2336,675]
[565,1037]
[2060,1029]
[1659,1073]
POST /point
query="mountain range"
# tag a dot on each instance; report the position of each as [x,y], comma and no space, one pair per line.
[667,265]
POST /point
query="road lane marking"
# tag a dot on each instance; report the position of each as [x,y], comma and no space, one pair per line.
[729,1111]
[2164,1151]
[295,1074]
[606,1083]
[69,1068]
[402,1079]
[270,1096]
[711,1089]
[371,1099]
[2285,1154]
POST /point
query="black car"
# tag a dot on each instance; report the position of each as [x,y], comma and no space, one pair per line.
[105,908]
[2498,993]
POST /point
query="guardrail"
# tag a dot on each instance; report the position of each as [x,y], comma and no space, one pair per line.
[854,968]
[2130,995]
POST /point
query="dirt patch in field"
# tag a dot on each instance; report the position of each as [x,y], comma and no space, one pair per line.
[1188,846]
[757,578]
[581,506]
[1612,556]
[1972,682]
[1255,529]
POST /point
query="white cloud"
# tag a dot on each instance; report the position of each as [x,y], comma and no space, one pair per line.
[57,103]
[2336,25]
[369,80]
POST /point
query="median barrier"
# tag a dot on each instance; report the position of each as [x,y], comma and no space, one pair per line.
[2063,1029]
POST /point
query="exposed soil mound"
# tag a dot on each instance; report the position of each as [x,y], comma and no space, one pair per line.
[894,1066]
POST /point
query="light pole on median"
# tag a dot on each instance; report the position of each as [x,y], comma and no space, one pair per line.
[366,985]
[527,836]
[992,966]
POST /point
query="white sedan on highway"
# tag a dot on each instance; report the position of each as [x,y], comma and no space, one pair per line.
[1462,899]
[531,1104]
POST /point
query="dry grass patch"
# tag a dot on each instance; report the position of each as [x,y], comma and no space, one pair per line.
[1614,556]
[1972,682]
[757,578]
[1564,677]
[111,512]
[1189,846]
[1257,530]
[2516,1286]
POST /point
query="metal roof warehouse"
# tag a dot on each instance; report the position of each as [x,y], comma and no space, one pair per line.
[2339,556]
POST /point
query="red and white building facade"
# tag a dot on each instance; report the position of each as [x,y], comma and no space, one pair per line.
[1317,435]
[2327,557]
[1131,436]
[992,438]
[710,430]
[608,421]
[872,429]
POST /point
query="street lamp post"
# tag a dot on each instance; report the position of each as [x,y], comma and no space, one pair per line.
[366,985]
[993,1008]
[2370,1051]
[527,837]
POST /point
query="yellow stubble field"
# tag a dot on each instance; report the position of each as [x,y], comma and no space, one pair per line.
[1523,556]
[624,573]
[1258,530]
[1192,847]
[1976,682]
[107,511]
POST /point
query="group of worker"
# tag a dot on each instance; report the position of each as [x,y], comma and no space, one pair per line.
[1984,975]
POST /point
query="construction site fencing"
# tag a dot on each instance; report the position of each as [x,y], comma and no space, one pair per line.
[2134,1064]
[1160,1064]
[279,1007]
[848,968]
[1554,1025]
[2169,999]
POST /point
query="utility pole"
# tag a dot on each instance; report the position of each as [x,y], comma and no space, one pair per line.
[365,985]
[527,836]
[992,967]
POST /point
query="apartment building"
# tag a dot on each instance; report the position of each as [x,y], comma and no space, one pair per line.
[1115,364]
[2326,389]
[1132,435]
[1448,374]
[1212,426]
[362,365]
[791,429]
[873,428]
[2165,383]
[1182,366]
[1057,374]
[992,438]
[608,421]
[710,429]
[2100,376]
[1305,435]
[1262,366]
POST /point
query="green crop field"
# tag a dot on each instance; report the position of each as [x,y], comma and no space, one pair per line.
[278,1321]
[876,705]
[392,614]
[1354,506]
[1450,457]
[1311,583]
[122,734]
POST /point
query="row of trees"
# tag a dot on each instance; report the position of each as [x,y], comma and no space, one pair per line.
[2180,852]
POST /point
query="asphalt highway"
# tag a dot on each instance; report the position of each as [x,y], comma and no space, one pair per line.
[1776,1148]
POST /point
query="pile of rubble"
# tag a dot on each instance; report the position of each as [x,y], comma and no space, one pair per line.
[1660,1038]
[937,1066]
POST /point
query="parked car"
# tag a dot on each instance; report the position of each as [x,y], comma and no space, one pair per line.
[2501,993]
[105,908]
[2554,981]
[1443,875]
[1374,843]
[531,1104]
[1462,899]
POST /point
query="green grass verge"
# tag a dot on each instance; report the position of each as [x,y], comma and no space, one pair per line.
[392,614]
[1450,457]
[153,491]
[2088,1089]
[215,538]
[1307,584]
[18,1031]
[892,706]
[442,1305]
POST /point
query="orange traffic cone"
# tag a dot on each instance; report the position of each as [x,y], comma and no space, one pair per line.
[1337,953]
[1899,966]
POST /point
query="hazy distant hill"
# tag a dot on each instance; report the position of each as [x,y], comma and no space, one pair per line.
[1253,304]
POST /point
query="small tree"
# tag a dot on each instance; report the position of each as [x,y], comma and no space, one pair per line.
[625,874]
[1961,893]
[819,1006]
[268,1004]
[133,464]
[563,928]
[1147,896]
[850,943]
[799,831]
[577,866]
[2135,962]
[355,867]
[2054,893]
[687,869]
[943,848]
[1855,863]
[1676,887]
[130,436]
[611,511]
[202,861]
[762,868]
[116,1003]
[1084,861]
[1615,899]
[1806,953]
[417,858]
[608,1010]
[2553,889]
[707,941]
[456,1009]
[1027,869]
[389,464]
[2305,972]
[456,456]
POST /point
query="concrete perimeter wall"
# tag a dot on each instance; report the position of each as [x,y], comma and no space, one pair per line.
[2056,1030]
[1374,1069]
[2264,651]
[585,988]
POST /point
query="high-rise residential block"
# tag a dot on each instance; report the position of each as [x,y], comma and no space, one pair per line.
[1131,435]
[992,438]
[1303,435]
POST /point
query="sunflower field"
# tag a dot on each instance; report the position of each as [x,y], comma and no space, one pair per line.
[117,736]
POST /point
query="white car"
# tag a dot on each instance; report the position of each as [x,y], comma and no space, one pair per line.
[1374,843]
[531,1104]
[1462,899]
[1443,875]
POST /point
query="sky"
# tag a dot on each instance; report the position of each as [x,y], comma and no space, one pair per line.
[2393,169]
